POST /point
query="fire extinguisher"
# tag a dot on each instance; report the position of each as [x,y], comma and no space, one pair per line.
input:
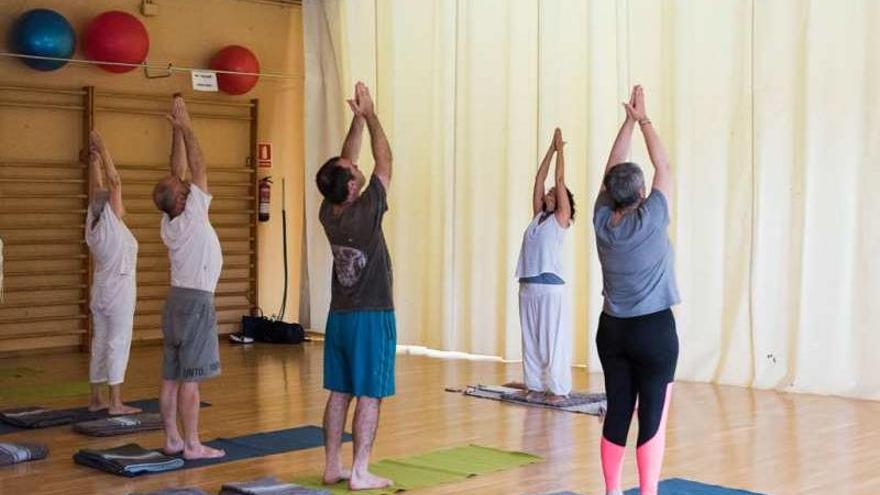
[265,194]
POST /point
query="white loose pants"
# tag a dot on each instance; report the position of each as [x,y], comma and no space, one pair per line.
[546,335]
[112,327]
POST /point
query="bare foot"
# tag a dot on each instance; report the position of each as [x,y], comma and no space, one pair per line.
[173,447]
[555,399]
[518,385]
[97,406]
[333,475]
[120,409]
[532,395]
[367,481]
[202,452]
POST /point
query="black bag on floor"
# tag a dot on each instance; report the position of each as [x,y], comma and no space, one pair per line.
[275,331]
[263,329]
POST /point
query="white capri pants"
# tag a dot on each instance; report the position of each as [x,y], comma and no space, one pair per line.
[546,336]
[111,341]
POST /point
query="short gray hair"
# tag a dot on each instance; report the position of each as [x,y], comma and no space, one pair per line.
[624,184]
[163,197]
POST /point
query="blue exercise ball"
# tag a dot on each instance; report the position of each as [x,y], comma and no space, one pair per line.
[45,33]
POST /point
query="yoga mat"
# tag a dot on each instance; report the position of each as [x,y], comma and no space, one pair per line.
[263,444]
[260,445]
[594,404]
[31,393]
[434,468]
[678,486]
[79,414]
[18,372]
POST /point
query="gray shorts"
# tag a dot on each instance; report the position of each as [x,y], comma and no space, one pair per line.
[189,330]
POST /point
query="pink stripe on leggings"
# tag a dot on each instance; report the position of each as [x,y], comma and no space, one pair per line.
[650,455]
[612,463]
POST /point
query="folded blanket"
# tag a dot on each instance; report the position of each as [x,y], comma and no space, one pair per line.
[128,460]
[120,425]
[13,453]
[38,417]
[267,486]
[174,491]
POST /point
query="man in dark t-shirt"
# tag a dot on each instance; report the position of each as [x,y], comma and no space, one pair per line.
[361,334]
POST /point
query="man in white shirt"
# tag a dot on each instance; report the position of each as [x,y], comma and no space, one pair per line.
[189,321]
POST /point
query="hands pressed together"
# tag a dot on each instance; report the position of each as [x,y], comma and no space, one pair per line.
[362,103]
[179,116]
[635,107]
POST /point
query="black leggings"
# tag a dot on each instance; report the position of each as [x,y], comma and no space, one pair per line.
[638,357]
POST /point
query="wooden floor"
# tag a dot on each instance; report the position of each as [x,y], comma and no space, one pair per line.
[767,442]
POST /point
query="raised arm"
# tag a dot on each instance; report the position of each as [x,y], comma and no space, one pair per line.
[379,143]
[114,182]
[96,174]
[96,184]
[178,153]
[541,178]
[662,170]
[181,120]
[351,148]
[563,204]
[620,149]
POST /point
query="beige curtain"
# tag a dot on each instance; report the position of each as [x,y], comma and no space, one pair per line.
[771,113]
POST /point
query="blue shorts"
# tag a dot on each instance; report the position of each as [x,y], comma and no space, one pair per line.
[359,353]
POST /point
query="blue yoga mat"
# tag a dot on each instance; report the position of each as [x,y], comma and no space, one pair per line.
[252,446]
[79,414]
[263,444]
[678,486]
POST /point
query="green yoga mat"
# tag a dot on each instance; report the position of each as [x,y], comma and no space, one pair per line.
[18,372]
[27,393]
[434,468]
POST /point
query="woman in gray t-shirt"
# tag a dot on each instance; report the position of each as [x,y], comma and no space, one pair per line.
[636,340]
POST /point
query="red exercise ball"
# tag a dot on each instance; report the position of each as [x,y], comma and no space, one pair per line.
[116,36]
[236,58]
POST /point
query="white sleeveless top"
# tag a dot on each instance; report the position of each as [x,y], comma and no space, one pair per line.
[541,250]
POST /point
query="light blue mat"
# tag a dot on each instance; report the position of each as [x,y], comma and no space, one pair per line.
[678,486]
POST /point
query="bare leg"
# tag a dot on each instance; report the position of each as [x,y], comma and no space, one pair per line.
[366,421]
[168,403]
[335,415]
[96,403]
[116,405]
[189,411]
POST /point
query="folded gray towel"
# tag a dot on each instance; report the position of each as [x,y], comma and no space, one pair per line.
[120,425]
[13,453]
[268,485]
[174,491]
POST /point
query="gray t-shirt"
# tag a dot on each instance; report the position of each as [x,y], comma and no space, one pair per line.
[361,265]
[638,263]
